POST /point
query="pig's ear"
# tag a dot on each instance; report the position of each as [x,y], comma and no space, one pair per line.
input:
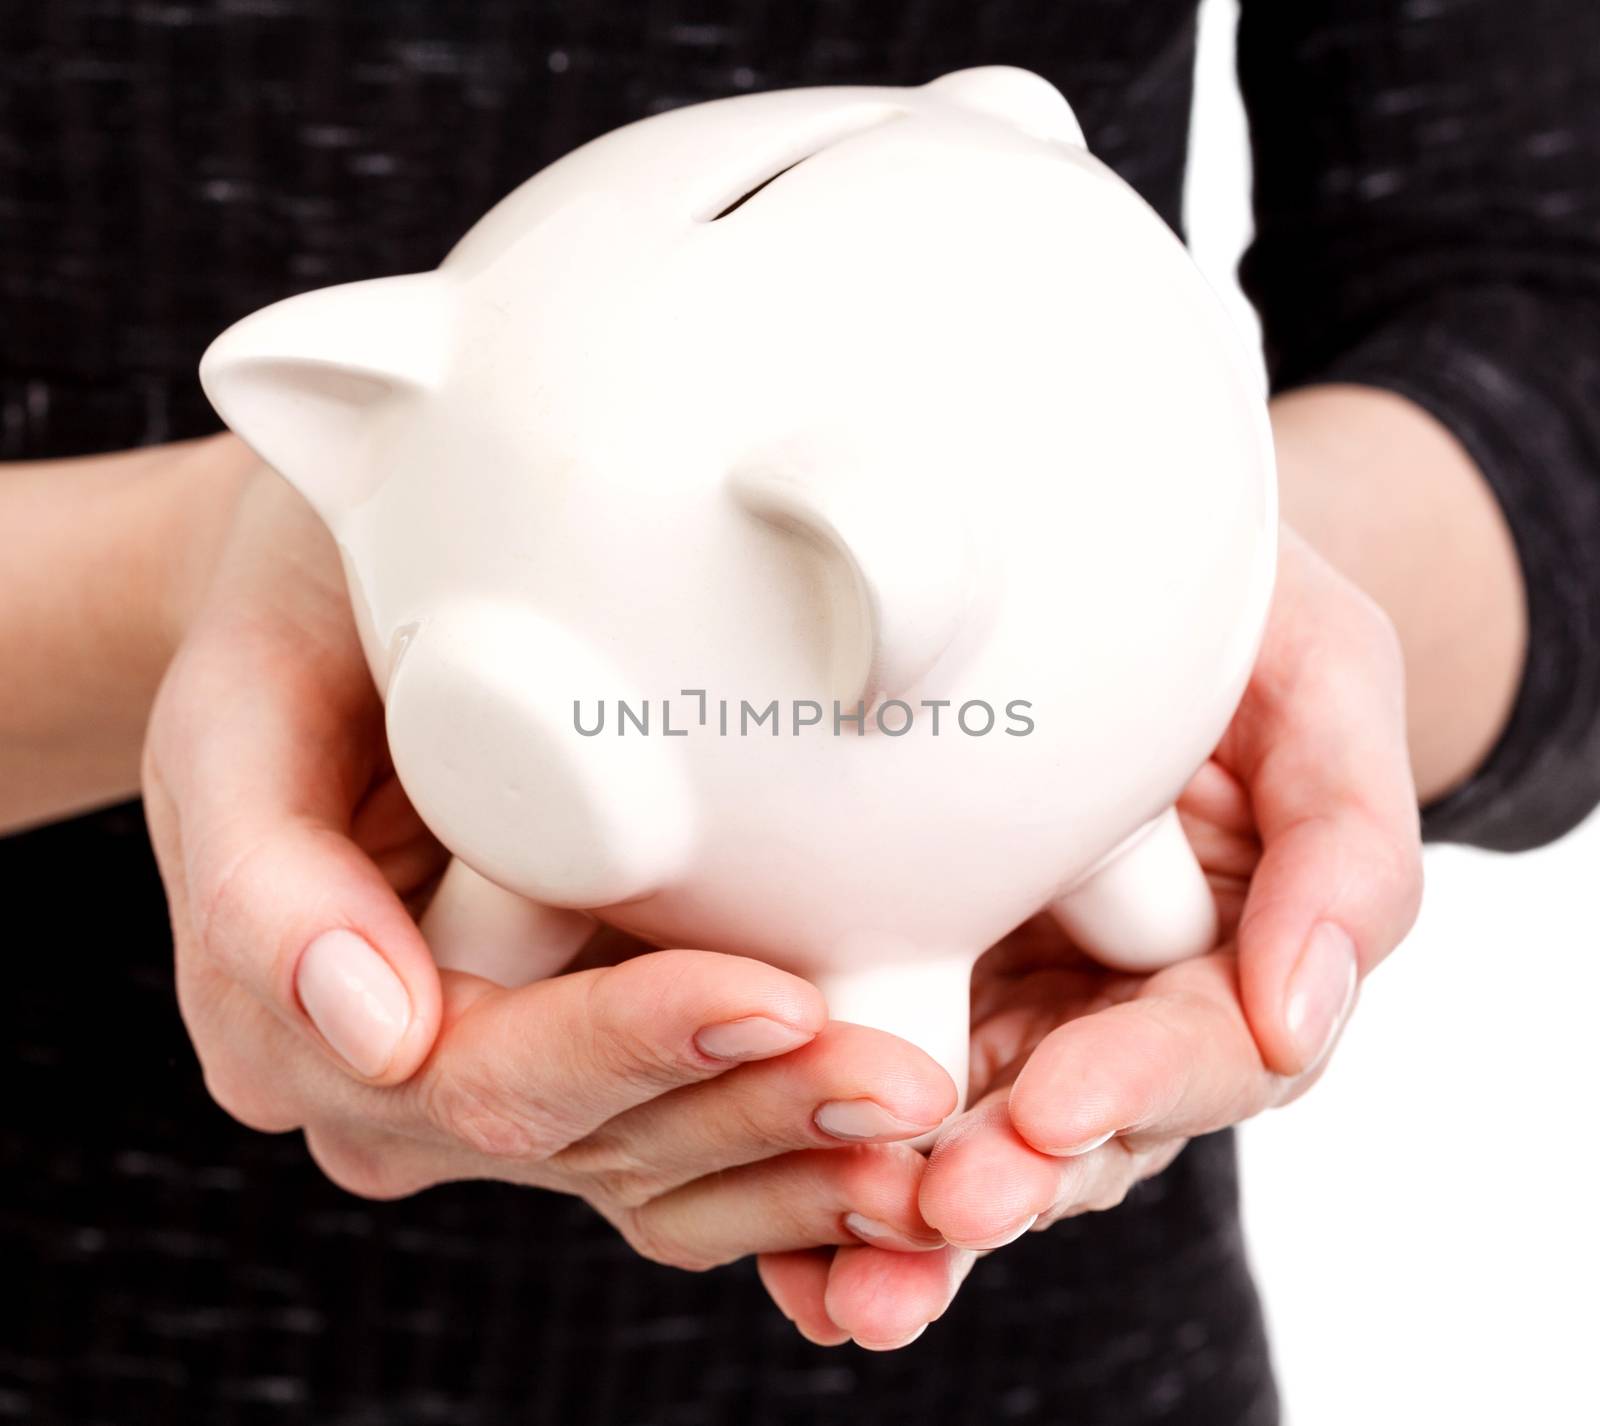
[301,380]
[896,572]
[1017,96]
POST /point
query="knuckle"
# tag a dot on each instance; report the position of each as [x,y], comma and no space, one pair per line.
[861,1171]
[748,1119]
[613,1172]
[627,1189]
[1105,1191]
[1159,1160]
[622,1055]
[620,1043]
[647,1237]
[239,1096]
[226,909]
[362,1167]
[1395,859]
[1107,1197]
[1404,859]
[485,1120]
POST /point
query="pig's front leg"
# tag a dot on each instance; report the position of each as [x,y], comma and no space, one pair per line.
[924,999]
[474,925]
[1145,906]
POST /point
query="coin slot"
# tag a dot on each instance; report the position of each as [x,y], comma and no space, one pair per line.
[850,124]
[750,193]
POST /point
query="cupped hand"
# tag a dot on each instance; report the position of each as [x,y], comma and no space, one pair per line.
[1087,1080]
[700,1102]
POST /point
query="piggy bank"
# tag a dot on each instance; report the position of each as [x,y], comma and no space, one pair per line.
[829,526]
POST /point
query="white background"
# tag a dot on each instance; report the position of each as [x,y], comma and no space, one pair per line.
[1423,1224]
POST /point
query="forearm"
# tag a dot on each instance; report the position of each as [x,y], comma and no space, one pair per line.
[1390,498]
[102,557]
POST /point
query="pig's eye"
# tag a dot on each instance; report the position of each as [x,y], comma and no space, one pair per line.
[750,193]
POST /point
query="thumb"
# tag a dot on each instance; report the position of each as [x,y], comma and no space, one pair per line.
[249,811]
[1320,742]
[298,915]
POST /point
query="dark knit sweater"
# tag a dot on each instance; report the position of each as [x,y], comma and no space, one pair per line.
[1428,204]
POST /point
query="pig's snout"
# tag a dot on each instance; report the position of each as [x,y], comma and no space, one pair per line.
[482,728]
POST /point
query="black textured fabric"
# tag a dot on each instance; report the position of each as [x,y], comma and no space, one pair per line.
[1428,221]
[166,167]
[164,1265]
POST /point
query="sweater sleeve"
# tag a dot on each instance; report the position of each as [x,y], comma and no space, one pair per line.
[1427,199]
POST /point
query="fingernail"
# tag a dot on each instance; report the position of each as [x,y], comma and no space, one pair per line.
[1009,1236]
[867,1346]
[1088,1146]
[753,1038]
[881,1235]
[857,1119]
[833,1339]
[1321,991]
[354,998]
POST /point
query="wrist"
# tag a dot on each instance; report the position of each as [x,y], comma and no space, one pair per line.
[1390,498]
[198,490]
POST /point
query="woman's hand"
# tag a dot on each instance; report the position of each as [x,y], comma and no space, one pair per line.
[1087,1080]
[685,1095]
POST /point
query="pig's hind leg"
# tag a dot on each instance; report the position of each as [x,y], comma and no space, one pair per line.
[1146,906]
[474,925]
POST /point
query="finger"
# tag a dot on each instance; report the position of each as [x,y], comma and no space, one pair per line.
[801,1200]
[380,1165]
[387,828]
[1101,1179]
[1176,1061]
[985,1186]
[986,1151]
[849,1085]
[1320,740]
[1220,825]
[293,911]
[1216,801]
[886,1300]
[796,1282]
[983,1151]
[249,818]
[234,1035]
[526,1073]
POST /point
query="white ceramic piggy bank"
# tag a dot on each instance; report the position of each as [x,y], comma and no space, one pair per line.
[827,526]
